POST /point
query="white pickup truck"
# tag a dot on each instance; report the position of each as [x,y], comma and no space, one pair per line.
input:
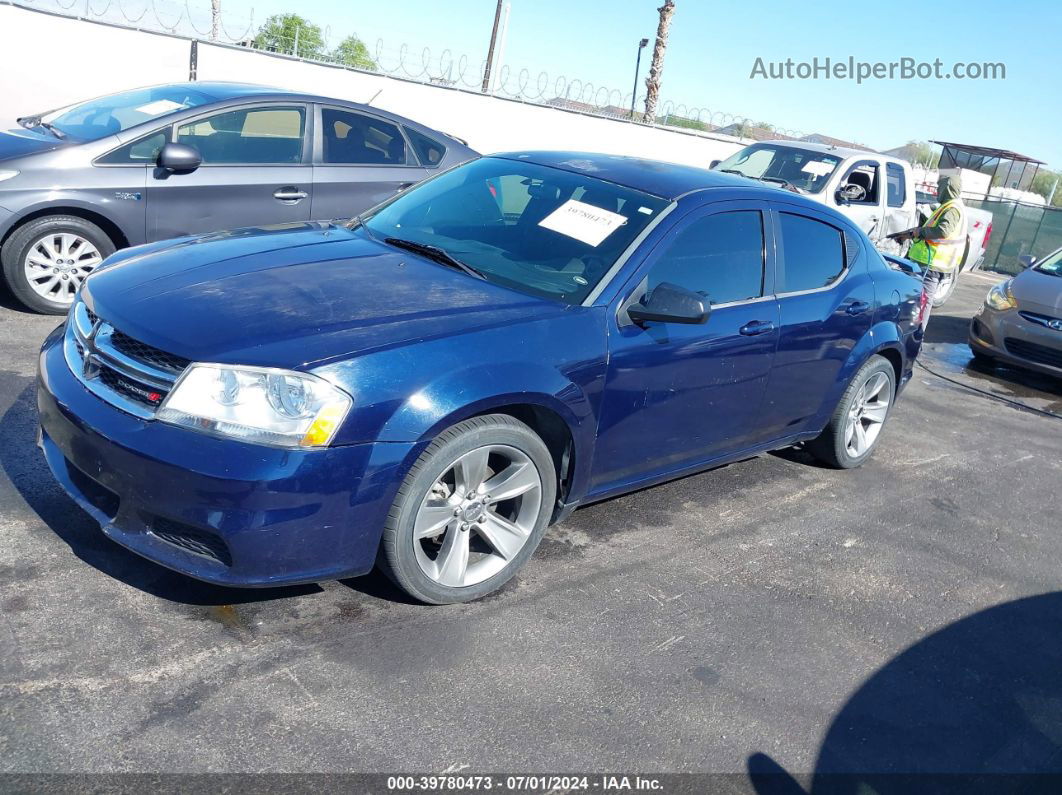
[876,191]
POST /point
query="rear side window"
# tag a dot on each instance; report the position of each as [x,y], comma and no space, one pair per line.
[897,183]
[428,149]
[254,135]
[814,253]
[719,256]
[141,152]
[355,138]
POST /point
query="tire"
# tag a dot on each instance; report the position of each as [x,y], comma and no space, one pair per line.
[982,359]
[834,447]
[74,245]
[945,289]
[496,538]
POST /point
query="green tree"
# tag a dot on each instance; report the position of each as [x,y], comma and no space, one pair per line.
[292,35]
[1044,183]
[353,52]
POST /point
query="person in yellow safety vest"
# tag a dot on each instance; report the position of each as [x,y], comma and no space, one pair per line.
[939,243]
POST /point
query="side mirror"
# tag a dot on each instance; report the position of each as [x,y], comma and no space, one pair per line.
[179,158]
[1027,260]
[669,303]
[851,193]
[715,163]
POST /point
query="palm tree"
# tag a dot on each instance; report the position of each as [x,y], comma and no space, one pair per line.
[652,82]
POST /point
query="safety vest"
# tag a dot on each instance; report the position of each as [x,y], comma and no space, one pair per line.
[941,255]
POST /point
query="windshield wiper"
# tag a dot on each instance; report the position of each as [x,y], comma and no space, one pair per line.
[733,171]
[29,122]
[434,253]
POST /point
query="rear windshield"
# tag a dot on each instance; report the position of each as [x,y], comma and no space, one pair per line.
[112,114]
[541,230]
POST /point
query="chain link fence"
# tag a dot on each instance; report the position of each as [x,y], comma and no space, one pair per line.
[423,64]
[1018,229]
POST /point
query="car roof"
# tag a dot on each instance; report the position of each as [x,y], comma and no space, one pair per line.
[221,90]
[666,180]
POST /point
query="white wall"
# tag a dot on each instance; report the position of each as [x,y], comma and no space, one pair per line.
[48,61]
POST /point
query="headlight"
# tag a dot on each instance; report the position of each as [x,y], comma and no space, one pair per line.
[1000,298]
[257,404]
[7,174]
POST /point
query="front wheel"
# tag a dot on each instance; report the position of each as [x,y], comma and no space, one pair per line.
[471,511]
[856,424]
[46,260]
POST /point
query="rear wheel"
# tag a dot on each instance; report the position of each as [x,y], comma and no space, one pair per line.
[855,427]
[46,260]
[471,511]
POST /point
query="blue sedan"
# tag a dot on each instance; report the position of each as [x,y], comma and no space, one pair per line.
[430,385]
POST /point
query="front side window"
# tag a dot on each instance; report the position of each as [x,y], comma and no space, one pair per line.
[354,138]
[540,230]
[804,169]
[897,184]
[720,256]
[814,253]
[865,175]
[112,114]
[141,152]
[265,136]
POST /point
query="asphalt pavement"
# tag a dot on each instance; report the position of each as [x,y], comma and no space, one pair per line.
[771,615]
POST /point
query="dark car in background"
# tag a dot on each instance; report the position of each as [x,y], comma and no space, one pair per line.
[430,386]
[154,163]
[1020,322]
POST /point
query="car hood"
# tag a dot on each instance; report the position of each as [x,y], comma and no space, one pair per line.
[292,296]
[1038,292]
[19,143]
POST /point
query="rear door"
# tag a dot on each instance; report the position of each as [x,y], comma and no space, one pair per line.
[360,160]
[826,303]
[256,171]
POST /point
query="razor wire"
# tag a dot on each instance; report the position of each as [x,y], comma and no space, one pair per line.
[420,64]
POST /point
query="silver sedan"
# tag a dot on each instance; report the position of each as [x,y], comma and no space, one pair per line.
[1021,320]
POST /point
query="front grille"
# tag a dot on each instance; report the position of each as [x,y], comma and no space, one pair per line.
[1040,354]
[135,349]
[191,539]
[129,388]
[101,497]
[92,316]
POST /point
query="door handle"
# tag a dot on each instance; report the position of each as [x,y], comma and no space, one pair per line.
[290,194]
[756,327]
[857,307]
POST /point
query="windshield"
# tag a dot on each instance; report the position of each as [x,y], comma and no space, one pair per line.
[1051,265]
[112,114]
[803,169]
[540,230]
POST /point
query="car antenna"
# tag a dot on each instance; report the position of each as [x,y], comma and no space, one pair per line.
[374,96]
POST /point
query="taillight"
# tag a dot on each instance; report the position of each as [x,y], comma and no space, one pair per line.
[923,304]
[988,236]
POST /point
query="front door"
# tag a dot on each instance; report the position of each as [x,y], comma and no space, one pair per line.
[361,161]
[677,395]
[867,212]
[255,172]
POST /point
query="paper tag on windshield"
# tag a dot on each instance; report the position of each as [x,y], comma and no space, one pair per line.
[584,222]
[818,168]
[160,106]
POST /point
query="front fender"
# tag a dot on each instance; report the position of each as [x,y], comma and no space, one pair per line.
[131,228]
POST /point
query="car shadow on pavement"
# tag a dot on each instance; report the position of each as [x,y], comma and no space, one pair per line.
[947,328]
[975,707]
[27,471]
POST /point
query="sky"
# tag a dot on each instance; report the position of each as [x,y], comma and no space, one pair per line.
[714,45]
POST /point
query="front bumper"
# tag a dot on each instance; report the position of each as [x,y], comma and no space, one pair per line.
[1011,338]
[219,510]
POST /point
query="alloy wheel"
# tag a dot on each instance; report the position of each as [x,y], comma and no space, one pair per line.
[867,414]
[477,516]
[57,263]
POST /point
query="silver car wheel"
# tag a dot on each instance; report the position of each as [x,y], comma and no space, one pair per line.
[477,516]
[57,263]
[867,414]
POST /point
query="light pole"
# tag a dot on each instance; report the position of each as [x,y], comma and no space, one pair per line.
[493,41]
[637,68]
